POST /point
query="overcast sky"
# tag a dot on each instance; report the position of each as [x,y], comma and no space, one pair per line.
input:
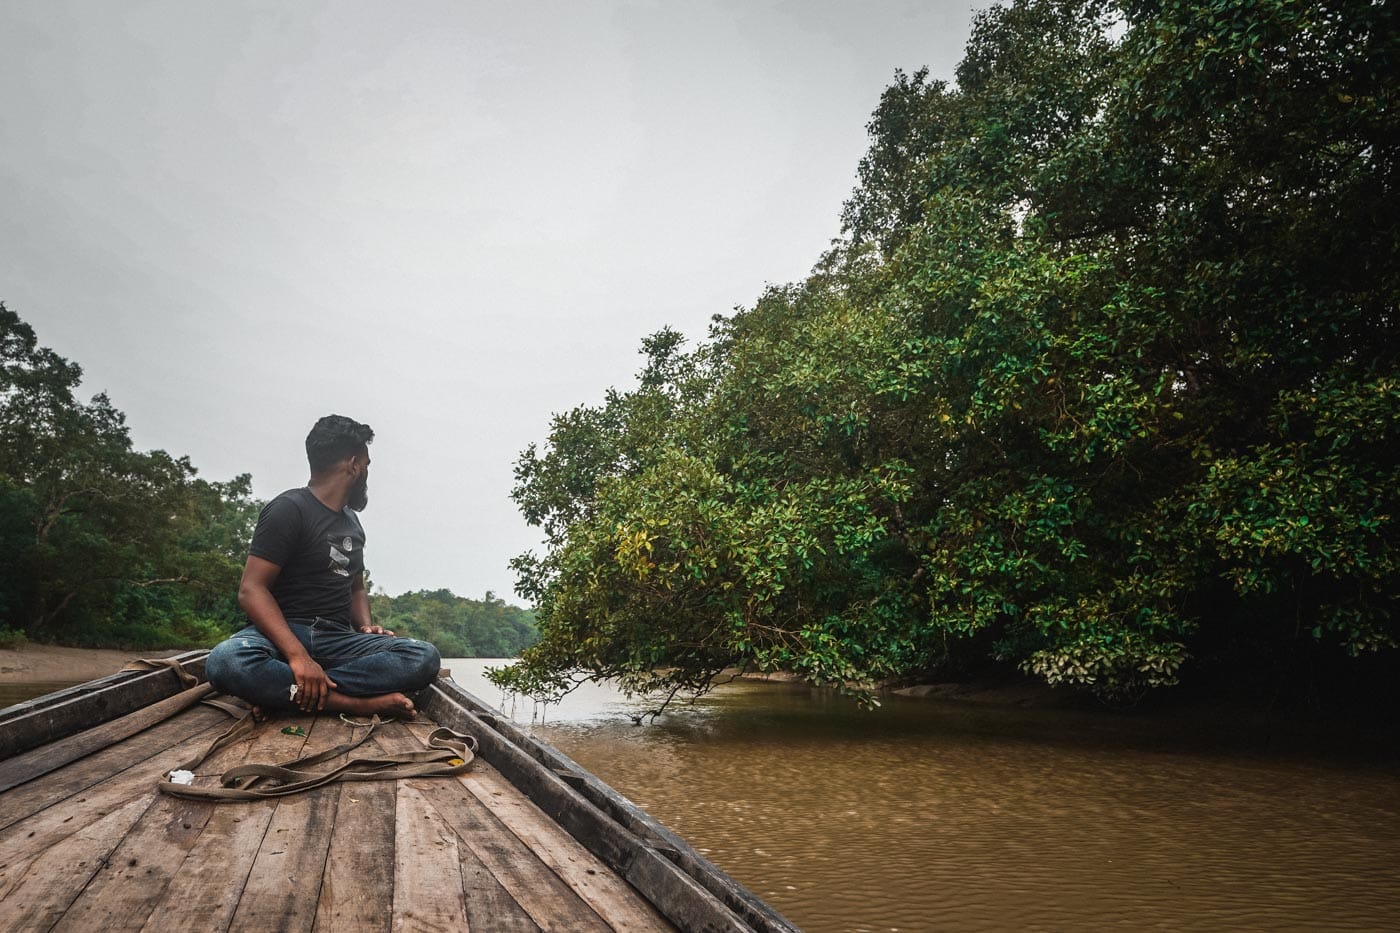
[448,220]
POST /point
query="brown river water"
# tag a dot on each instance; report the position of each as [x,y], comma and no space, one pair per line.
[941,814]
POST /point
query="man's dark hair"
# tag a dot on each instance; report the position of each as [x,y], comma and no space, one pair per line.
[334,438]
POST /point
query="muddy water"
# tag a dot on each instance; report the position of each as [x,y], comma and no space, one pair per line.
[943,815]
[15,693]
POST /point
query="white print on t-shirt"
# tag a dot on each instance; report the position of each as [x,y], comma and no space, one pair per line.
[339,562]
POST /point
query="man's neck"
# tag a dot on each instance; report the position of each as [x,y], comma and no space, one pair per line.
[330,493]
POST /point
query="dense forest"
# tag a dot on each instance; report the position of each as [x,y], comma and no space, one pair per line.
[1098,383]
[102,545]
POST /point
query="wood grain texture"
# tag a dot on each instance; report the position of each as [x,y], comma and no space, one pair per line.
[677,895]
[127,888]
[531,884]
[747,906]
[357,889]
[192,661]
[77,776]
[57,716]
[667,871]
[489,905]
[46,758]
[428,895]
[284,883]
[37,893]
[603,836]
[205,890]
[54,823]
[525,843]
[133,883]
[611,897]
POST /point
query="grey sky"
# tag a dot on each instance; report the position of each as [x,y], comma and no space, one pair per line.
[448,220]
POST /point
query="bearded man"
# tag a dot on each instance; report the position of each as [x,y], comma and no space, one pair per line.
[311,644]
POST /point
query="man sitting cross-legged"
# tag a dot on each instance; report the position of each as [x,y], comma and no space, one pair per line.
[312,645]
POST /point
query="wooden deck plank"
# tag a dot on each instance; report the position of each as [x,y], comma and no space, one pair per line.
[489,905]
[35,795]
[357,889]
[613,898]
[532,884]
[428,895]
[131,885]
[671,854]
[46,758]
[123,893]
[36,894]
[49,826]
[284,883]
[204,891]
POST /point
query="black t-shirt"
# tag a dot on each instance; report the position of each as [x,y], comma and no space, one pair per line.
[320,553]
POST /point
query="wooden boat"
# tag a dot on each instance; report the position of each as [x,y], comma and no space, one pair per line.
[526,840]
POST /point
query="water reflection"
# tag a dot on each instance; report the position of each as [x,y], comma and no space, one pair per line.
[10,694]
[934,814]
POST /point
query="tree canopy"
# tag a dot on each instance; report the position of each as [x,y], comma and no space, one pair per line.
[104,544]
[1100,381]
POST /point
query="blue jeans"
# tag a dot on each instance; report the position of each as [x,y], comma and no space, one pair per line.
[248,665]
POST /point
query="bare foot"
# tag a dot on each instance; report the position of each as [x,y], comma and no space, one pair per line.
[385,704]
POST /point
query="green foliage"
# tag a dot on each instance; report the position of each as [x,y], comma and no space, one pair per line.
[459,627]
[103,544]
[1101,379]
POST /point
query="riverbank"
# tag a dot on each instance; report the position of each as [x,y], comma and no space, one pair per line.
[45,664]
[995,690]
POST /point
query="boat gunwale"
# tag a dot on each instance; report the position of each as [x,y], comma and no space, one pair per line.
[51,717]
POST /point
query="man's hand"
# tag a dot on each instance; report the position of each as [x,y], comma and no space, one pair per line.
[255,598]
[312,684]
[374,630]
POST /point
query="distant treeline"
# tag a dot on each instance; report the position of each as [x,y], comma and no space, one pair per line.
[1101,382]
[105,546]
[459,627]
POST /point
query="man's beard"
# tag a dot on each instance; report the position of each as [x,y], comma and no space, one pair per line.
[359,495]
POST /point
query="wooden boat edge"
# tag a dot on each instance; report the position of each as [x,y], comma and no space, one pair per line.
[58,715]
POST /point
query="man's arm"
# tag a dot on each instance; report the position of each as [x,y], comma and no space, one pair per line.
[255,598]
[359,609]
